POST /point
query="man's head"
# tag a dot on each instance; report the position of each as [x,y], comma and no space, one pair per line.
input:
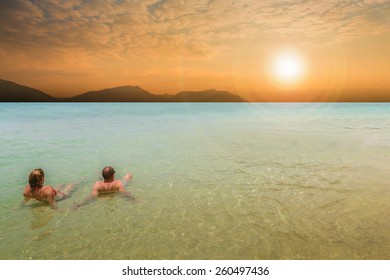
[108,172]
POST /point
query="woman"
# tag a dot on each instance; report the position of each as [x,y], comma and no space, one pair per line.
[36,189]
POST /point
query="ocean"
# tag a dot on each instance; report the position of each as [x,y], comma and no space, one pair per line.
[218,181]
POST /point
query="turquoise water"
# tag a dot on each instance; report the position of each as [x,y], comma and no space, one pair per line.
[214,181]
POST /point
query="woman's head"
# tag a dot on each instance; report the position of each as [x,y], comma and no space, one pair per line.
[36,179]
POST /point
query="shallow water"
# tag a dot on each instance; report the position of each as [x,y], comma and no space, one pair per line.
[214,181]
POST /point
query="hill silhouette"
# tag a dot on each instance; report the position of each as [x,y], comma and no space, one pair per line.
[12,92]
[210,95]
[118,94]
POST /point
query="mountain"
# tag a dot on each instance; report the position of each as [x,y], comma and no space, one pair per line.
[12,92]
[210,95]
[137,94]
[118,94]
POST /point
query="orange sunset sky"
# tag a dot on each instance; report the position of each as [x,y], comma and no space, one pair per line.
[262,50]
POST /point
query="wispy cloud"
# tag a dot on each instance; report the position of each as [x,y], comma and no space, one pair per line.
[78,34]
[193,27]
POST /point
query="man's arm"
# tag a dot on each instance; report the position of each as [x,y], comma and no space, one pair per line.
[127,195]
[94,194]
[126,179]
[122,190]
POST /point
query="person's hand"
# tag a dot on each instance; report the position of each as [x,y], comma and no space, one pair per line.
[128,177]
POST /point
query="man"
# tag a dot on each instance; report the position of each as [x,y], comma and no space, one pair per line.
[109,185]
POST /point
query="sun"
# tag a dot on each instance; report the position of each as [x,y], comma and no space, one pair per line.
[287,68]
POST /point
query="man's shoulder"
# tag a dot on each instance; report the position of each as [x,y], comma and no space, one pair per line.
[98,184]
[104,185]
[118,183]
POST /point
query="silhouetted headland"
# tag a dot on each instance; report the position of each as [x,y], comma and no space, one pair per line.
[12,92]
[118,94]
[211,95]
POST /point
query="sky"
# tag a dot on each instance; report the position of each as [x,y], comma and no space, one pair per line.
[262,50]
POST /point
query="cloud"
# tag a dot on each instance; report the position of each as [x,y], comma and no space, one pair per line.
[79,34]
[173,25]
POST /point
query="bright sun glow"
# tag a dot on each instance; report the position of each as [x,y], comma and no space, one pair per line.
[288,68]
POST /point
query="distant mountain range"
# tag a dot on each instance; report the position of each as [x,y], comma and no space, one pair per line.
[12,92]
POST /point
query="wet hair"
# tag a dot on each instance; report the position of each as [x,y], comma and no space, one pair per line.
[108,172]
[35,179]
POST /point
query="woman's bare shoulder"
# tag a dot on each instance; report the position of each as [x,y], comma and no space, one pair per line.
[47,189]
[26,190]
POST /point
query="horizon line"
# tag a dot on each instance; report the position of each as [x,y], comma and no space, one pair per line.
[290,96]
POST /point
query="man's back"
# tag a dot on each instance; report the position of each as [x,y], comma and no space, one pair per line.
[101,187]
[109,185]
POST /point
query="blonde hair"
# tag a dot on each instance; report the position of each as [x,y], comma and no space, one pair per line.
[35,179]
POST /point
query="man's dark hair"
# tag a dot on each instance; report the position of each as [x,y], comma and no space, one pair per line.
[108,172]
